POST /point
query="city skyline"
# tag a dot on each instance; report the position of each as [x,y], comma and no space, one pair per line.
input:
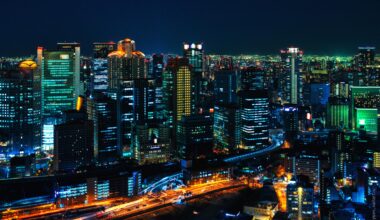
[255,27]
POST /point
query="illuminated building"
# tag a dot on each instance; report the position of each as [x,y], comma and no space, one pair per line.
[376,160]
[73,142]
[195,137]
[182,90]
[157,75]
[338,113]
[364,98]
[177,94]
[102,49]
[365,57]
[124,65]
[101,109]
[20,117]
[59,71]
[206,172]
[195,54]
[74,47]
[144,97]
[226,85]
[262,210]
[100,75]
[292,83]
[320,93]
[300,199]
[366,118]
[151,144]
[307,165]
[226,127]
[254,122]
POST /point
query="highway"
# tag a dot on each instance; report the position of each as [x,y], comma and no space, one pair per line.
[277,140]
[157,201]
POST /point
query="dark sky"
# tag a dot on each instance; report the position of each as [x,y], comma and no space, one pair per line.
[225,26]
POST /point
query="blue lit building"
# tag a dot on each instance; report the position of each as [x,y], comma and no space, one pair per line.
[101,109]
[19,108]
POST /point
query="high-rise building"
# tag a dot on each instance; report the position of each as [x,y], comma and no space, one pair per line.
[182,85]
[338,113]
[20,117]
[227,131]
[102,49]
[73,142]
[101,109]
[195,54]
[60,85]
[254,113]
[365,57]
[300,198]
[74,47]
[59,72]
[292,83]
[124,65]
[364,99]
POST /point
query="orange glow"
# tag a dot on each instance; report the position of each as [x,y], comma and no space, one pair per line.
[286,145]
[28,64]
[79,104]
[211,110]
[116,54]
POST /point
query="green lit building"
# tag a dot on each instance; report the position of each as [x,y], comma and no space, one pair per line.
[367,118]
[364,103]
[337,113]
[57,81]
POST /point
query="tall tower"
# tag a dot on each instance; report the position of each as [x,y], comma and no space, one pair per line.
[292,82]
[19,107]
[124,65]
[195,54]
[60,86]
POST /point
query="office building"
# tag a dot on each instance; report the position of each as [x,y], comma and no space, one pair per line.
[300,198]
[338,113]
[73,142]
[227,130]
[195,137]
[292,82]
[254,122]
[101,109]
[195,54]
[20,117]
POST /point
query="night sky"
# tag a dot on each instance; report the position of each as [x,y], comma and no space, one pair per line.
[333,27]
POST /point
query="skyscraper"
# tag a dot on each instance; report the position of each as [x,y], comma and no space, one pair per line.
[59,71]
[195,54]
[101,109]
[292,81]
[254,113]
[124,65]
[20,116]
